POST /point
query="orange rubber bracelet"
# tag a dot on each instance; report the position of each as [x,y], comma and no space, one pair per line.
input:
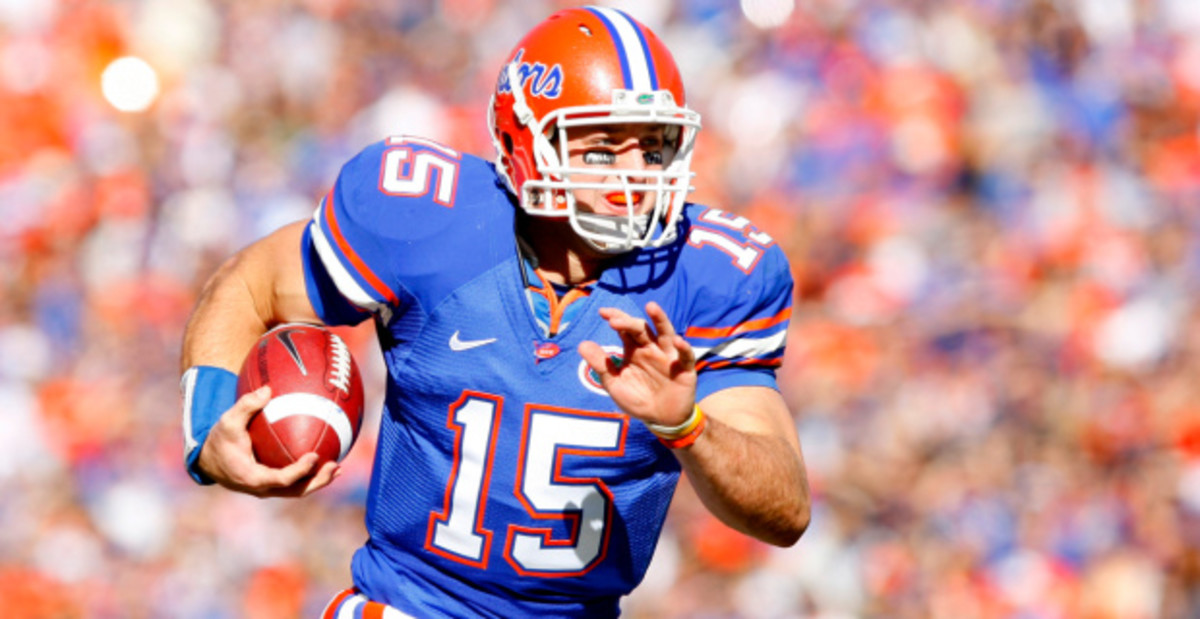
[694,428]
[673,432]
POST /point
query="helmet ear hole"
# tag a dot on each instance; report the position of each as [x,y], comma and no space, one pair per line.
[508,142]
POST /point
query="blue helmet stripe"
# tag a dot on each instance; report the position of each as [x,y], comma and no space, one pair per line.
[637,66]
[612,32]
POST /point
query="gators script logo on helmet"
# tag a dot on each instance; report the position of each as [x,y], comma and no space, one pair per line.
[542,81]
[592,67]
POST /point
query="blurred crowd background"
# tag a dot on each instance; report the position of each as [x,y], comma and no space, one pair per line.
[990,207]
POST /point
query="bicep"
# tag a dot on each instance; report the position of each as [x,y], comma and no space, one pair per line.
[753,410]
[274,269]
[260,286]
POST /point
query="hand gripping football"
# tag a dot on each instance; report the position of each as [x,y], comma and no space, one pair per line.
[316,395]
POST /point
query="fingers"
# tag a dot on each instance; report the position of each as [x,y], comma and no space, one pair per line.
[596,359]
[686,359]
[325,476]
[662,322]
[309,484]
[229,459]
[289,481]
[633,331]
[295,471]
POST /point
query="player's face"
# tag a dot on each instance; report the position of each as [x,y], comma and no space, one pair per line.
[607,150]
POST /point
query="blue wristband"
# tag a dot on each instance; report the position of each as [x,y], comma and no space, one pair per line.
[207,393]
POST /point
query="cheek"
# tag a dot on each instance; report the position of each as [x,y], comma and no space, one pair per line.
[585,198]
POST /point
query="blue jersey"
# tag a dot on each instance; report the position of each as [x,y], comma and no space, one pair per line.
[506,482]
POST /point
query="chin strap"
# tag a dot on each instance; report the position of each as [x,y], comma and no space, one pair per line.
[520,108]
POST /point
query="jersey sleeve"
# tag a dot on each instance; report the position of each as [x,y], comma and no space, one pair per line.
[407,222]
[741,308]
[330,304]
[349,273]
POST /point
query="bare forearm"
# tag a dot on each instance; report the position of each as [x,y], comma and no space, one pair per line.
[754,483]
[747,466]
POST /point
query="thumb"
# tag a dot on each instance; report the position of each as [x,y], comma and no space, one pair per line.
[595,356]
[249,404]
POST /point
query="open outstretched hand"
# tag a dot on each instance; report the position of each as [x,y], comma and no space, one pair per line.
[655,380]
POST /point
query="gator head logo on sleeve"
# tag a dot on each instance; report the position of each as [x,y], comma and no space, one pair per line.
[590,379]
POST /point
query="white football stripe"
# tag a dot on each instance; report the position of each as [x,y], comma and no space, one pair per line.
[639,65]
[313,405]
[743,347]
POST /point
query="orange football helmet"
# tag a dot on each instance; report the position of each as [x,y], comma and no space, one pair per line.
[587,67]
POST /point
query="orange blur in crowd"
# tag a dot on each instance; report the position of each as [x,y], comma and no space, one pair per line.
[989,209]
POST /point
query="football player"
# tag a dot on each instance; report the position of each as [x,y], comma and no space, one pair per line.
[563,334]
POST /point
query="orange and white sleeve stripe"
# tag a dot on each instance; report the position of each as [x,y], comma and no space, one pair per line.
[355,279]
[754,343]
[351,604]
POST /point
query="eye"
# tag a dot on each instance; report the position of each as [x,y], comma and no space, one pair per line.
[653,157]
[599,157]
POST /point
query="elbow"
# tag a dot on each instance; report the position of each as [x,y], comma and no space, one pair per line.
[801,514]
[795,527]
[789,528]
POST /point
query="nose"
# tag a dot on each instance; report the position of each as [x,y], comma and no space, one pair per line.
[637,159]
[627,175]
[632,158]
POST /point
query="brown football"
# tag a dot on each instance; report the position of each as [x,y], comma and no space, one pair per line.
[316,394]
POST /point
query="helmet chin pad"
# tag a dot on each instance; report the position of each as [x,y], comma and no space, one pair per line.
[611,234]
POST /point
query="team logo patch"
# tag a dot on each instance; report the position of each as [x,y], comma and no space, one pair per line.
[546,350]
[590,379]
[543,81]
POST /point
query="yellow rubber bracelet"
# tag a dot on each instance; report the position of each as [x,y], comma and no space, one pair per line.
[675,432]
[687,439]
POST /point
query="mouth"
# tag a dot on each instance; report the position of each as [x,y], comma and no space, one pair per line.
[619,198]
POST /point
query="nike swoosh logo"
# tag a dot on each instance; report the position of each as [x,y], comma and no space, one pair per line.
[285,337]
[458,345]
